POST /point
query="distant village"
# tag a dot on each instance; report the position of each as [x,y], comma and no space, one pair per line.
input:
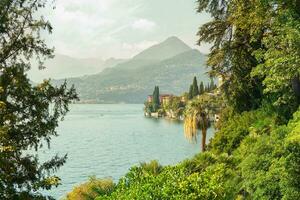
[171,106]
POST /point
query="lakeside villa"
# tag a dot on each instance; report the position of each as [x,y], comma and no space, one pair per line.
[163,98]
[176,113]
[166,98]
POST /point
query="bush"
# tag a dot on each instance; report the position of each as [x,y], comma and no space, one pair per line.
[91,189]
[152,168]
[229,137]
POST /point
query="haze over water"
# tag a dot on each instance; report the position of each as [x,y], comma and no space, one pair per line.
[106,140]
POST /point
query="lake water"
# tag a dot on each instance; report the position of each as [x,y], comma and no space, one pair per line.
[106,140]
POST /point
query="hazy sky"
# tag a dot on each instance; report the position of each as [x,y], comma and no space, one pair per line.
[120,28]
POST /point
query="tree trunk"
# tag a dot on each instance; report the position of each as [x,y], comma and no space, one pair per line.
[204,131]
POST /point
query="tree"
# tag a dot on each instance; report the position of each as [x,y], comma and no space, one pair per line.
[29,114]
[148,107]
[175,106]
[195,87]
[196,117]
[156,99]
[201,88]
[235,38]
[207,88]
[212,85]
[258,58]
[279,57]
[191,92]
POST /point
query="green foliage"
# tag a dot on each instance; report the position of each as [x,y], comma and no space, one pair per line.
[280,58]
[176,106]
[191,92]
[233,131]
[148,107]
[196,117]
[152,168]
[91,189]
[155,99]
[251,157]
[201,88]
[291,162]
[195,87]
[171,183]
[265,156]
[19,46]
[196,90]
[268,164]
[29,114]
[212,85]
[234,40]
[256,51]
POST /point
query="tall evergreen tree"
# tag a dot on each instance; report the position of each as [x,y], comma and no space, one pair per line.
[201,88]
[158,96]
[156,99]
[29,114]
[191,92]
[206,88]
[195,87]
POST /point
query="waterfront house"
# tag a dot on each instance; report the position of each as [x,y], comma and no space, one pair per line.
[150,98]
[163,98]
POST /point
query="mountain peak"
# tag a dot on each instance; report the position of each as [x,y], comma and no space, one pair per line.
[171,47]
[173,39]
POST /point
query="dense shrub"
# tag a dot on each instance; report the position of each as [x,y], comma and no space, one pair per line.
[91,189]
[229,137]
[172,183]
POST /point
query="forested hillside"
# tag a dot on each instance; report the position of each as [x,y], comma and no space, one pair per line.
[170,64]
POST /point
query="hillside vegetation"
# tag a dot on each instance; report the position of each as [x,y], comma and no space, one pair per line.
[251,157]
[170,64]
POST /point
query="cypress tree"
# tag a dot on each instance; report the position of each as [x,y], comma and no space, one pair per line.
[191,92]
[157,96]
[155,101]
[195,87]
[206,88]
[201,88]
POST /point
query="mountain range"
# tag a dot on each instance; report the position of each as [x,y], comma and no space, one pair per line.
[171,65]
[62,66]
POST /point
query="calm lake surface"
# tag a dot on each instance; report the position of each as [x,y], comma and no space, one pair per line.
[106,140]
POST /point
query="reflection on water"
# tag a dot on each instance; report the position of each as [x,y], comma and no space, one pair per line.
[106,140]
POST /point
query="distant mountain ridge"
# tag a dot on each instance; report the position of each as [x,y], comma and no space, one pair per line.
[131,81]
[62,66]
